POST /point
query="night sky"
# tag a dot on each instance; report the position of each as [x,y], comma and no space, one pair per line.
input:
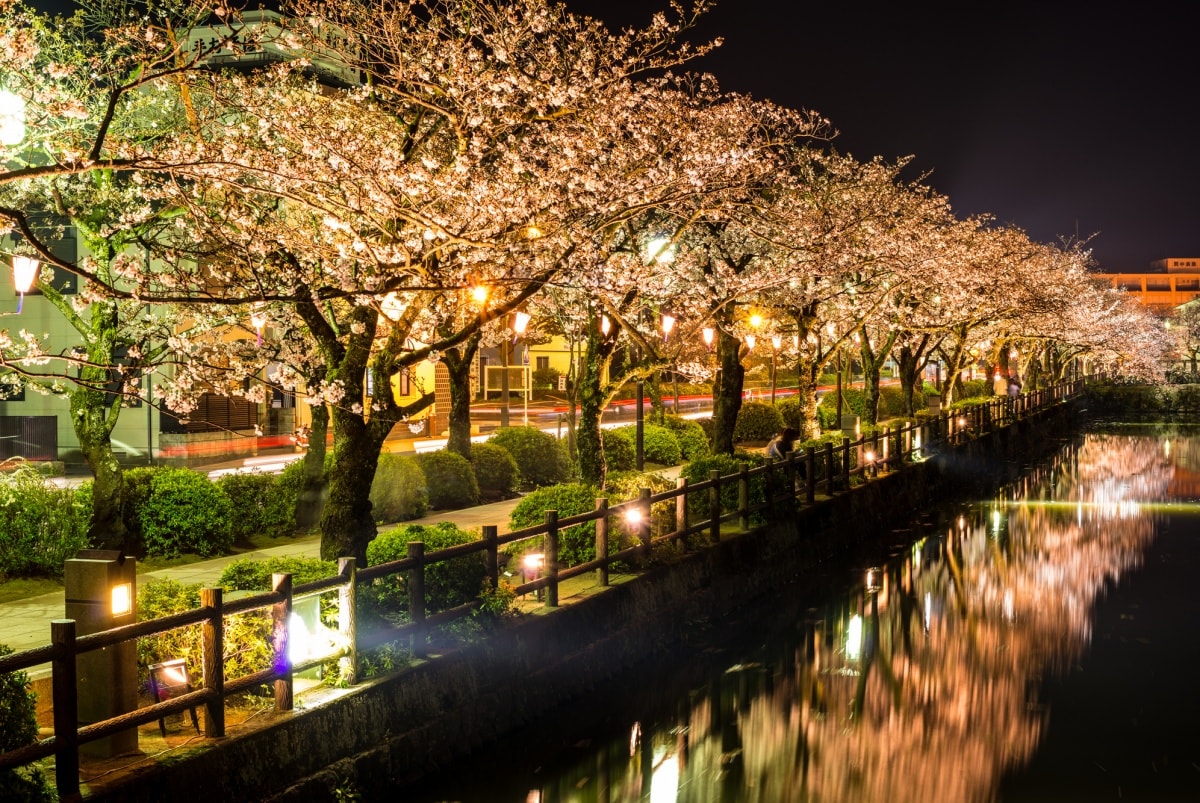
[1063,120]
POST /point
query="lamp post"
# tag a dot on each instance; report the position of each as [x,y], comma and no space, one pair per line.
[776,342]
[520,322]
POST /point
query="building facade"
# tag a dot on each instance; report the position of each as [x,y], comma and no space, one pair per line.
[1164,285]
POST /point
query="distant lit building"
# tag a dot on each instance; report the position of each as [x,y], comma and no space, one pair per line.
[1164,285]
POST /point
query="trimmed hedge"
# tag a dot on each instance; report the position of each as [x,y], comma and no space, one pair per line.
[693,442]
[659,444]
[41,525]
[185,512]
[620,449]
[398,491]
[496,470]
[540,456]
[449,480]
[576,544]
[757,421]
[261,505]
[447,583]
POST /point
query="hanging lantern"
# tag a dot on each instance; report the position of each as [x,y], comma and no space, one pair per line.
[668,323]
[750,341]
[258,319]
[708,333]
[605,325]
[25,274]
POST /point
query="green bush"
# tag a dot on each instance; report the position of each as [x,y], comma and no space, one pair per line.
[757,421]
[398,492]
[659,444]
[621,486]
[791,410]
[247,635]
[137,491]
[620,449]
[41,525]
[495,470]
[185,513]
[546,378]
[698,471]
[540,456]
[18,728]
[693,442]
[251,574]
[449,480]
[853,403]
[448,583]
[975,388]
[261,507]
[576,544]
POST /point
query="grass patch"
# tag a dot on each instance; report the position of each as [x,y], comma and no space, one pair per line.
[26,587]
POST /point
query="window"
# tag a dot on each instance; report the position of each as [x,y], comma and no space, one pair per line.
[543,363]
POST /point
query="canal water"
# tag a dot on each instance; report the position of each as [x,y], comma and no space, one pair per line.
[1040,645]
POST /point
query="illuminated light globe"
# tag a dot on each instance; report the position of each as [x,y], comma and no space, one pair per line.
[12,118]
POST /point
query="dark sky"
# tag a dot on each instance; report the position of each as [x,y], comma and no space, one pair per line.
[1057,120]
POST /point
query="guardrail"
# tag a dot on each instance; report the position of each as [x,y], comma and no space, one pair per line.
[797,480]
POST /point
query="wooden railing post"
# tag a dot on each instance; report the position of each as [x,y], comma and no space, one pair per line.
[744,497]
[830,482]
[66,709]
[416,597]
[681,511]
[491,534]
[810,475]
[212,657]
[644,533]
[602,541]
[790,473]
[551,560]
[769,484]
[845,462]
[348,618]
[714,505]
[281,614]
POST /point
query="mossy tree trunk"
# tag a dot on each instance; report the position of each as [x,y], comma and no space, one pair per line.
[311,499]
[593,395]
[458,365]
[727,391]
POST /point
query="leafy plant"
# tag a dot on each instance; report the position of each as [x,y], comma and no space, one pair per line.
[495,470]
[576,544]
[540,456]
[185,512]
[449,480]
[620,450]
[693,442]
[448,583]
[659,444]
[398,491]
[41,525]
[254,574]
[261,507]
[757,421]
[699,470]
[18,728]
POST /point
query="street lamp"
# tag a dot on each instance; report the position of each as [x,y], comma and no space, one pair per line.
[708,333]
[520,322]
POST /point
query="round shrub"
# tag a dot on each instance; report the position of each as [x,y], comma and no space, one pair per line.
[540,456]
[693,442]
[576,544]
[448,583]
[449,480]
[621,486]
[891,402]
[853,403]
[185,513]
[791,410]
[398,491]
[698,471]
[495,470]
[620,450]
[757,421]
[137,491]
[41,525]
[261,508]
[659,444]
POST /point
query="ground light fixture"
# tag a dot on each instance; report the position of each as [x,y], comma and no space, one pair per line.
[121,599]
[25,273]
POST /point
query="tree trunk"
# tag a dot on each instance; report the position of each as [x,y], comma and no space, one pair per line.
[107,528]
[311,499]
[347,525]
[806,395]
[458,366]
[592,466]
[727,392]
[909,368]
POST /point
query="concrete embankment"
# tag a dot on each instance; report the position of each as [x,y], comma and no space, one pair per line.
[398,727]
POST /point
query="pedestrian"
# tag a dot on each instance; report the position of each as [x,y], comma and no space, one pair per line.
[999,382]
[782,443]
[1014,384]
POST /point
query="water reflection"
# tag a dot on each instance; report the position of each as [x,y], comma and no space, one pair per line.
[919,683]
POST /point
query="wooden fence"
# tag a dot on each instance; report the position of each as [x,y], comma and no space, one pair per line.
[798,480]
